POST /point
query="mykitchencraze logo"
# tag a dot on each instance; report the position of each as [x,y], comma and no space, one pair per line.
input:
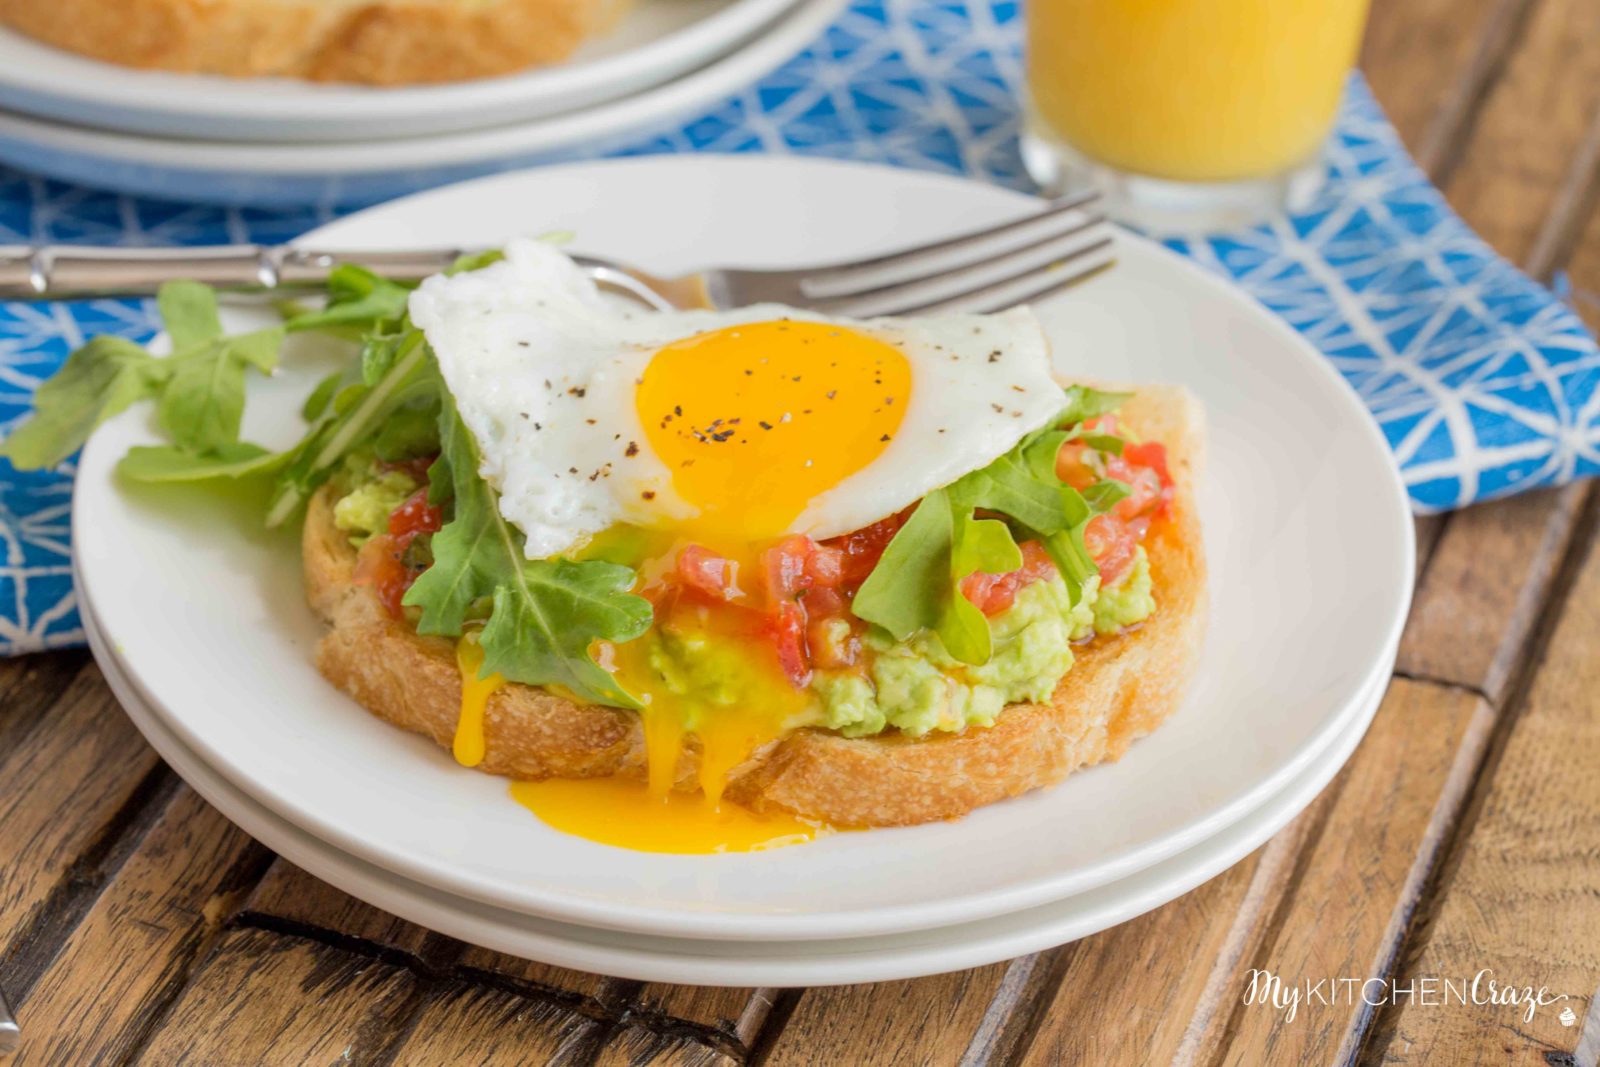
[1481,989]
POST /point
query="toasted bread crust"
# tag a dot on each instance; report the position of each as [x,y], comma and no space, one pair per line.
[1119,689]
[377,42]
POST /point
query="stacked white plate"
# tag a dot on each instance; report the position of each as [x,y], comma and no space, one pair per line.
[268,141]
[197,618]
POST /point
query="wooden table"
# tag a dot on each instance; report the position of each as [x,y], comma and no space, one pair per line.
[138,925]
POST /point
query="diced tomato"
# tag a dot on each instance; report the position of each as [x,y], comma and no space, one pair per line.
[1152,454]
[706,572]
[994,593]
[789,638]
[1071,468]
[1111,544]
[991,593]
[414,516]
[1036,562]
[784,567]
[416,467]
[862,549]
[1144,486]
[823,600]
[380,565]
[825,565]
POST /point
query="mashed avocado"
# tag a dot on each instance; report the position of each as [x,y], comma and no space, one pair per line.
[1127,602]
[364,511]
[917,686]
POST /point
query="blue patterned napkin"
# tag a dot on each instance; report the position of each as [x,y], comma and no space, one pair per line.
[1482,381]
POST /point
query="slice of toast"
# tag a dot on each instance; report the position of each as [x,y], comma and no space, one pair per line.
[376,42]
[1120,688]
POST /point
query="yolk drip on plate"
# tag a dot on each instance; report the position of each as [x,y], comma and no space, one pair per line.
[754,422]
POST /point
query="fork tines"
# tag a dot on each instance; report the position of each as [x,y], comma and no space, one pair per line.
[991,269]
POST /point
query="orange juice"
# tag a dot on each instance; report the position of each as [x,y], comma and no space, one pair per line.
[1191,90]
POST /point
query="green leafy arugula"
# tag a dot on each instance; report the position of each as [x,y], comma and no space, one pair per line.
[97,381]
[545,613]
[199,389]
[917,582]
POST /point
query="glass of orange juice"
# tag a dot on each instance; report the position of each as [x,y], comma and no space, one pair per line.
[1189,115]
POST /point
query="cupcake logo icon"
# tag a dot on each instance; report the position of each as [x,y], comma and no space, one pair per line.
[1567,1016]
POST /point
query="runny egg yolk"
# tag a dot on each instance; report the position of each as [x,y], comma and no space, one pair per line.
[753,422]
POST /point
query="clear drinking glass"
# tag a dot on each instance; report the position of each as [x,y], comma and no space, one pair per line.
[1190,115]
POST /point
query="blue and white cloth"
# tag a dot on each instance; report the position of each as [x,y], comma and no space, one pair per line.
[1483,382]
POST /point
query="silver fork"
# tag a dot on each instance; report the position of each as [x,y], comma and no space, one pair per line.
[990,269]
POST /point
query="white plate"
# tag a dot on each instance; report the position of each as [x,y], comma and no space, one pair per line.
[360,172]
[751,963]
[1309,537]
[656,41]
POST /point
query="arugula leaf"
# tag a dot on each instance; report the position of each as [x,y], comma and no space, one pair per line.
[97,381]
[1085,403]
[317,403]
[203,401]
[917,582]
[165,463]
[546,613]
[357,299]
[940,544]
[1104,495]
[356,414]
[189,313]
[1103,442]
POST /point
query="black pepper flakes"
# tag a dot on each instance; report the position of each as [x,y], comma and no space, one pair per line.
[632,449]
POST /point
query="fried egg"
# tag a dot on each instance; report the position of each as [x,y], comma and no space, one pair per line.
[727,426]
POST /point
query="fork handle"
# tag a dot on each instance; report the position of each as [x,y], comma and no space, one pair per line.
[74,272]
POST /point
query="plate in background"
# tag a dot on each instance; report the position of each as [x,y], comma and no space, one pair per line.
[327,175]
[1308,592]
[657,40]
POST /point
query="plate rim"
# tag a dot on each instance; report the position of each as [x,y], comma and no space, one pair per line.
[1012,898]
[338,107]
[857,963]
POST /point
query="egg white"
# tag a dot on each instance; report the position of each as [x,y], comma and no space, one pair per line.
[543,367]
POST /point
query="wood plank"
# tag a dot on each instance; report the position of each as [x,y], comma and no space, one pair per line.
[1429,62]
[87,761]
[1362,875]
[1176,1010]
[476,1025]
[29,686]
[925,1021]
[268,998]
[737,1014]
[1520,898]
[292,901]
[1583,270]
[1481,595]
[637,1046]
[594,993]
[1531,128]
[132,951]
